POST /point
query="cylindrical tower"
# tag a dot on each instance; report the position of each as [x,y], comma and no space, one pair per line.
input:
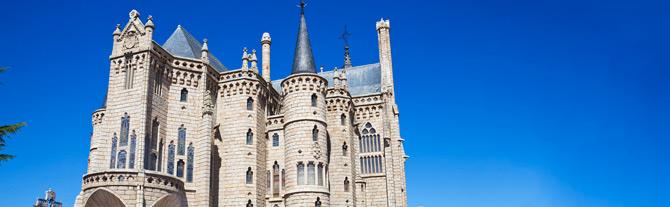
[266,41]
[306,139]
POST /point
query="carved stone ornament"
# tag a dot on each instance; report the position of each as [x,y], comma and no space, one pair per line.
[130,40]
[207,103]
[317,150]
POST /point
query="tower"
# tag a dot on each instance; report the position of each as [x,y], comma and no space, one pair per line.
[384,41]
[306,151]
[266,41]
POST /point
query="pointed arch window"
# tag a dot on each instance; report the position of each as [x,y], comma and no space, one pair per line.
[249,204]
[125,125]
[311,174]
[345,149]
[184,95]
[121,164]
[301,173]
[133,147]
[346,184]
[315,134]
[275,140]
[250,176]
[181,140]
[343,120]
[319,172]
[180,168]
[112,161]
[314,99]
[189,163]
[250,104]
[250,137]
[283,179]
[170,164]
[275,179]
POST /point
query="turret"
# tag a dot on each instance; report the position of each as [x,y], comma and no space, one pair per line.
[254,61]
[266,41]
[245,59]
[384,40]
[149,28]
[204,52]
[306,152]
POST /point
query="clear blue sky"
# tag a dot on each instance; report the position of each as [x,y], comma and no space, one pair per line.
[515,103]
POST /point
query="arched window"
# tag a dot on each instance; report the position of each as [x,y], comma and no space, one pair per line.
[250,104]
[153,159]
[362,165]
[133,146]
[180,168]
[125,125]
[112,161]
[317,203]
[170,164]
[275,179]
[250,137]
[314,98]
[301,173]
[283,178]
[381,169]
[184,95]
[159,161]
[346,184]
[121,164]
[319,172]
[344,149]
[275,140]
[181,140]
[250,176]
[315,134]
[343,120]
[189,163]
[311,175]
[249,204]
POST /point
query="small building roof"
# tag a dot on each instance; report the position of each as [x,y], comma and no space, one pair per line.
[361,80]
[182,44]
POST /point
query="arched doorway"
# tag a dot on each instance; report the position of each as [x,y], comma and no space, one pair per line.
[103,198]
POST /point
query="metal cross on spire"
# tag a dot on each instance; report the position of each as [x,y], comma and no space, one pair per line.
[345,36]
[302,6]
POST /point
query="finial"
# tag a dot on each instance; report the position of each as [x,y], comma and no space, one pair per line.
[204,45]
[150,22]
[302,6]
[244,53]
[179,26]
[266,38]
[321,68]
[117,31]
[133,14]
[345,36]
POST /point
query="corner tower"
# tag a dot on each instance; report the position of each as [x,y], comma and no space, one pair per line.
[306,157]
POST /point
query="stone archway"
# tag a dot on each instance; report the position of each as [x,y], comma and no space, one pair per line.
[171,200]
[103,198]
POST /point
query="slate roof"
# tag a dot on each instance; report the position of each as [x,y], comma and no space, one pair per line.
[182,44]
[361,80]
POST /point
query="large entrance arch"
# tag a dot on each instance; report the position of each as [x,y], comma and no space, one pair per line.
[103,198]
[172,200]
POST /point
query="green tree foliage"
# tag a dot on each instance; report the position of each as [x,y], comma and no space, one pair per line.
[7,130]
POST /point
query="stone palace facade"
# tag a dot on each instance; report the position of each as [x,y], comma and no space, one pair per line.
[178,128]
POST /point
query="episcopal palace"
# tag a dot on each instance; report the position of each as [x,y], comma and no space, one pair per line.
[179,128]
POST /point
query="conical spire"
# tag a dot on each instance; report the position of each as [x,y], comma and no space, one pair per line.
[303,60]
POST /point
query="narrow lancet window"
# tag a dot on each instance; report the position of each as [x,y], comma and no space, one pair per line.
[250,137]
[125,125]
[181,141]
[170,164]
[315,134]
[301,173]
[250,104]
[112,161]
[180,168]
[311,175]
[184,95]
[275,140]
[319,171]
[346,184]
[121,164]
[314,98]
[250,176]
[189,164]
[133,147]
